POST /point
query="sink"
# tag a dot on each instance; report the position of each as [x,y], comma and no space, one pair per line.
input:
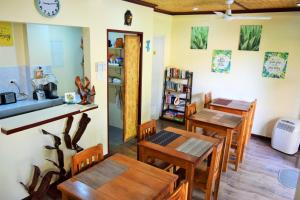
[26,106]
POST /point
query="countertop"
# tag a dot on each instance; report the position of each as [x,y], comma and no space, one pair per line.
[21,107]
[25,121]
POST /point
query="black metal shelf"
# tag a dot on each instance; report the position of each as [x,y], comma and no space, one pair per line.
[178,114]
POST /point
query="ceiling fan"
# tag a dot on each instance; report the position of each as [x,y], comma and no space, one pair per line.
[228,14]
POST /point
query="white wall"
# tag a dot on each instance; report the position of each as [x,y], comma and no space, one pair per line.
[13,56]
[61,52]
[98,16]
[22,150]
[276,97]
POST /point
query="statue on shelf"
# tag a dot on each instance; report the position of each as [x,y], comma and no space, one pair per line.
[87,95]
[128,18]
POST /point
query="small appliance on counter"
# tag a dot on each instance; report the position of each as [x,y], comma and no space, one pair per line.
[7,98]
[44,85]
[50,90]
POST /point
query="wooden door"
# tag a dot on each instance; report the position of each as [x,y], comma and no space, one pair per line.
[131,84]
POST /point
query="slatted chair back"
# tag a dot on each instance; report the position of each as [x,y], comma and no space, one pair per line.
[252,114]
[207,99]
[181,192]
[215,169]
[86,159]
[146,129]
[190,110]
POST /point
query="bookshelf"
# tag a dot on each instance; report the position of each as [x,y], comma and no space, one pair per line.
[177,94]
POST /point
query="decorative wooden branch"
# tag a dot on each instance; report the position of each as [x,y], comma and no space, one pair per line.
[57,140]
[63,174]
[86,94]
[60,155]
[84,121]
[67,137]
[43,187]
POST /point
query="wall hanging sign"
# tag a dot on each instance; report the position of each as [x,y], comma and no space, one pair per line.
[221,61]
[199,37]
[148,45]
[250,36]
[128,18]
[275,64]
[6,38]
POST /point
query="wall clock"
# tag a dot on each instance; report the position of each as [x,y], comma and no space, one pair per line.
[47,8]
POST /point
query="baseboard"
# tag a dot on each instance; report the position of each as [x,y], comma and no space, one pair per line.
[262,137]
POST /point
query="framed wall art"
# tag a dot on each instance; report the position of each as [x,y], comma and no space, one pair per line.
[221,61]
[275,64]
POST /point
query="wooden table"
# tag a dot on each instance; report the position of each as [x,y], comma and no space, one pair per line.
[230,105]
[221,122]
[119,177]
[235,107]
[171,154]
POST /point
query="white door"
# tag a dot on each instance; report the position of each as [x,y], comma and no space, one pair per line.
[158,67]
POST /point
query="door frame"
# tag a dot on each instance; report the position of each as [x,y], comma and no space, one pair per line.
[140,34]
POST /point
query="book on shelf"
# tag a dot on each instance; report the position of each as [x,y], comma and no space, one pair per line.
[178,73]
[176,87]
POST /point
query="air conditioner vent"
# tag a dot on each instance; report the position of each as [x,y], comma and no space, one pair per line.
[286,127]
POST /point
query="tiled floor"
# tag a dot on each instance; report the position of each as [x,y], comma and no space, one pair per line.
[257,177]
[115,136]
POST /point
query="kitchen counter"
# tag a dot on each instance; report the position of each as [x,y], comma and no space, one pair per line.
[21,107]
[22,122]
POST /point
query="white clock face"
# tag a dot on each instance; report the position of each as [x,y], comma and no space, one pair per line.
[48,8]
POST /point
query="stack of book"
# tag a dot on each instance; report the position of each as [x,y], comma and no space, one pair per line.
[177,73]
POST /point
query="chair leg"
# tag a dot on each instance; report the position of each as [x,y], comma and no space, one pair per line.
[208,195]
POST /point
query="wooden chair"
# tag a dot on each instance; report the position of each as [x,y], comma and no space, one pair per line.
[208,180]
[87,158]
[145,130]
[251,119]
[249,128]
[181,192]
[237,145]
[207,99]
[190,110]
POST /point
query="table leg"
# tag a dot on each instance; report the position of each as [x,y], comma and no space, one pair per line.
[141,154]
[227,149]
[190,172]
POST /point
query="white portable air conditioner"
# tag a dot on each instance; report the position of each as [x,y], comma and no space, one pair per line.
[286,136]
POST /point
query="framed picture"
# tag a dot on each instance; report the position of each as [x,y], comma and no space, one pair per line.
[70,97]
[250,36]
[275,64]
[199,37]
[221,61]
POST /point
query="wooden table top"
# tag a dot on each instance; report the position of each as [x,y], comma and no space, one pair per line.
[217,118]
[232,104]
[176,148]
[119,177]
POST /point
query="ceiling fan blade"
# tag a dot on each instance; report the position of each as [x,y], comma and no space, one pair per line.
[251,17]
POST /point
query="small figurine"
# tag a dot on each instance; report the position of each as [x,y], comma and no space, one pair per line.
[128,18]
[86,94]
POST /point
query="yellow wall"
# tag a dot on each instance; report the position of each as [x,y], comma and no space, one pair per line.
[276,97]
[97,16]
[163,28]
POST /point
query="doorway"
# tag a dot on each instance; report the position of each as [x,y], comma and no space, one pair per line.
[158,66]
[124,78]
